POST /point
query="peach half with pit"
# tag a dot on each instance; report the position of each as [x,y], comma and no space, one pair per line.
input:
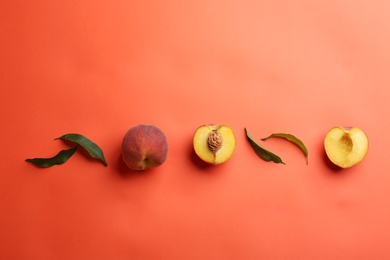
[144,147]
[214,144]
[346,147]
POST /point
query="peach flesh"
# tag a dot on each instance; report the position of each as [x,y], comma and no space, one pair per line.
[214,144]
[346,147]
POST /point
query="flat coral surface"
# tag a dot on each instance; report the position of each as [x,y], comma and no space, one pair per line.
[100,67]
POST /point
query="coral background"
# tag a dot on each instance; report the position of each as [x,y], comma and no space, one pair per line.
[100,67]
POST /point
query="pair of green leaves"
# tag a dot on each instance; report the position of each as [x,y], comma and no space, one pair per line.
[60,158]
[269,156]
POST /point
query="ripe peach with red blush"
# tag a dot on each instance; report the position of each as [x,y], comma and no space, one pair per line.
[144,147]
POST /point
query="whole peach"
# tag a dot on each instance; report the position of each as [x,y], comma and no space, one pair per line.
[144,147]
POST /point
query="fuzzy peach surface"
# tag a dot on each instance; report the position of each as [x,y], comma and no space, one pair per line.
[144,147]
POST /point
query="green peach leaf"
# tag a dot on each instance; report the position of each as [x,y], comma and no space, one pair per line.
[58,159]
[92,148]
[292,139]
[261,151]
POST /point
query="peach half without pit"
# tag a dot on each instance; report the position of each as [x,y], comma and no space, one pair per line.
[346,147]
[214,144]
[144,147]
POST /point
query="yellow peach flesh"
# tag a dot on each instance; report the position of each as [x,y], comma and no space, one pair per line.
[346,147]
[202,149]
